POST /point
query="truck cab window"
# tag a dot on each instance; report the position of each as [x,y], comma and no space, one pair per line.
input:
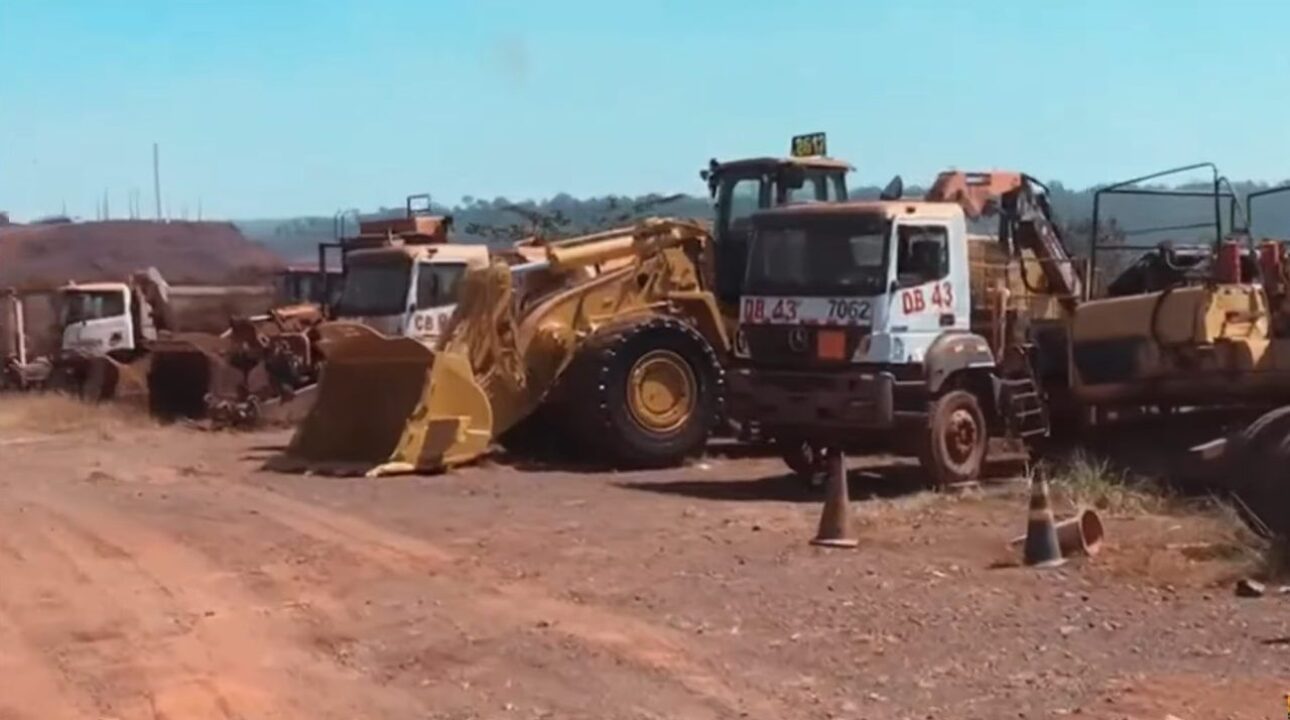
[90,305]
[744,200]
[814,189]
[437,284]
[922,254]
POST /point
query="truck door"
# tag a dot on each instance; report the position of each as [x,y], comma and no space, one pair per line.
[737,200]
[928,298]
[436,298]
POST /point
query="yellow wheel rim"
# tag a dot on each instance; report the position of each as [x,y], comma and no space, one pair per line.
[661,391]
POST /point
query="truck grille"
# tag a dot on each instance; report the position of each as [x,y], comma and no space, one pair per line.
[797,345]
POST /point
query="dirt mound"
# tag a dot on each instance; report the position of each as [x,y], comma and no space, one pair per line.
[184,252]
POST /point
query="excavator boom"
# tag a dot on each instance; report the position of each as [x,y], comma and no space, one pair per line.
[1027,220]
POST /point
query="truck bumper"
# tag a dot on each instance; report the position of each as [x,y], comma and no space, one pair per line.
[784,401]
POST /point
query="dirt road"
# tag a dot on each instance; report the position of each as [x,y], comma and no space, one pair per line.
[157,573]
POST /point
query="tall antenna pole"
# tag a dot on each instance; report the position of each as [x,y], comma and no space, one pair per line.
[107,215]
[156,176]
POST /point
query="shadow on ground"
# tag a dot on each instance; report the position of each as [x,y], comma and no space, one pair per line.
[877,481]
[1155,448]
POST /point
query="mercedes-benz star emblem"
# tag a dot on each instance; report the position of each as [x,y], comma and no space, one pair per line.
[797,339]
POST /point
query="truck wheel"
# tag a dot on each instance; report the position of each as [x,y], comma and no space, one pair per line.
[656,389]
[807,461]
[953,447]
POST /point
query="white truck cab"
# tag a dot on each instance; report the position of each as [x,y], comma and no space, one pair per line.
[863,282]
[100,319]
[858,323]
[409,290]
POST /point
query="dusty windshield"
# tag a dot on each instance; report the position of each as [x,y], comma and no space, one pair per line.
[375,288]
[83,305]
[819,256]
[437,283]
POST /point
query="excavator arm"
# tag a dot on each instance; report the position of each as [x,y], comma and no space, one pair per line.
[1026,221]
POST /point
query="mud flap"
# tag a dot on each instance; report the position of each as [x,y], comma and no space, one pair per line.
[388,405]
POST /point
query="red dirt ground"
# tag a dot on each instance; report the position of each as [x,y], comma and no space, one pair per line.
[159,573]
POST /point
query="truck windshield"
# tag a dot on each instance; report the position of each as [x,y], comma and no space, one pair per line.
[437,284]
[80,305]
[820,256]
[375,288]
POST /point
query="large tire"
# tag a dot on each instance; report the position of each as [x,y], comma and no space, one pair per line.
[1249,446]
[1255,471]
[952,449]
[645,395]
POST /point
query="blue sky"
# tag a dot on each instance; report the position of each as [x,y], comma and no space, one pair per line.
[267,108]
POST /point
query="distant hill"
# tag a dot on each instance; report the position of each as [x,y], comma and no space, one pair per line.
[43,255]
[1128,219]
[487,221]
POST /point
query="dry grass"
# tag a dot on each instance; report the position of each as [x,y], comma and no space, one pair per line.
[1085,480]
[1225,541]
[53,413]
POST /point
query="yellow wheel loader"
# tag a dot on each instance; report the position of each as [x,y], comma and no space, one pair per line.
[613,342]
[618,330]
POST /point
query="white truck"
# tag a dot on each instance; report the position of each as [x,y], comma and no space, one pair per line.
[118,319]
[401,275]
[108,327]
[886,323]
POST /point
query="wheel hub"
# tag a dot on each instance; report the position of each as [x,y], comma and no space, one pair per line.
[961,435]
[661,391]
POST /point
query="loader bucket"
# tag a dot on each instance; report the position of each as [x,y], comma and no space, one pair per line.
[387,405]
[184,370]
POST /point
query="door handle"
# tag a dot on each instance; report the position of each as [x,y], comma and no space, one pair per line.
[947,319]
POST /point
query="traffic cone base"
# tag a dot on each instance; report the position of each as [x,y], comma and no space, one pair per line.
[836,542]
[836,526]
[1079,535]
[1042,549]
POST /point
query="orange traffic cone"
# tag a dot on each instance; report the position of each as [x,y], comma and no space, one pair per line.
[836,528]
[1078,535]
[1042,548]
[1081,535]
